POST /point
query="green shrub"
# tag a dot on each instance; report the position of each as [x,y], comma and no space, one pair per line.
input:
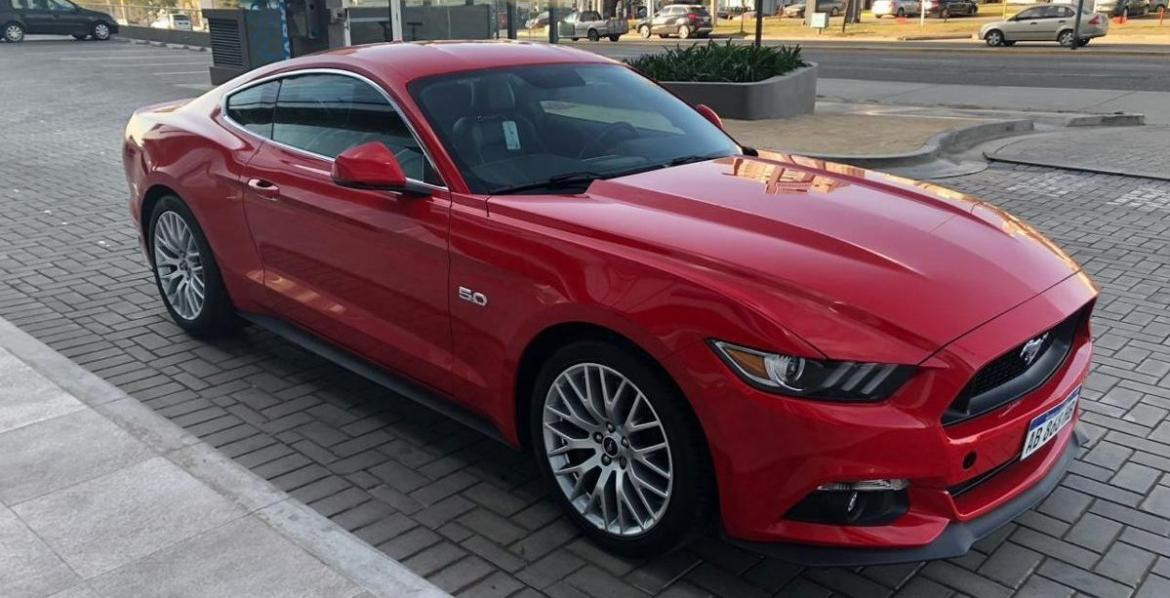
[719,63]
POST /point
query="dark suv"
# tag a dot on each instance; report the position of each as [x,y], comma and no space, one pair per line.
[18,17]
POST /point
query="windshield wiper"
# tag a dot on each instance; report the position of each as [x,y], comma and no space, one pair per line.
[691,160]
[567,180]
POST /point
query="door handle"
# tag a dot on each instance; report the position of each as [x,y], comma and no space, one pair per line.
[264,189]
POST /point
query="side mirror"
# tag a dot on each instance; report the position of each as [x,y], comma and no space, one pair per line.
[709,114]
[373,166]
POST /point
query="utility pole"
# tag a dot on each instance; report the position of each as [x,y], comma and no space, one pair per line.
[1077,25]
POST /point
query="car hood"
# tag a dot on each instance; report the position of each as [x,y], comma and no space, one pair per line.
[900,259]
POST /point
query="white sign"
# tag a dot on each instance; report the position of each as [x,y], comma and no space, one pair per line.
[818,20]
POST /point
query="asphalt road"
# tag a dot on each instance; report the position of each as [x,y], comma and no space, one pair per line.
[1130,68]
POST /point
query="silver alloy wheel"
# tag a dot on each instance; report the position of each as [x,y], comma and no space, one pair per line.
[179,265]
[13,33]
[101,31]
[607,449]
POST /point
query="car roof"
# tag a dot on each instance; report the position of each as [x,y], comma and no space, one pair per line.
[407,61]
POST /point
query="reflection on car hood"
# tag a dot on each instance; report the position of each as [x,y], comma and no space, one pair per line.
[873,248]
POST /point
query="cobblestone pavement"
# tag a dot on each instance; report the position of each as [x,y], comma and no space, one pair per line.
[1141,151]
[470,514]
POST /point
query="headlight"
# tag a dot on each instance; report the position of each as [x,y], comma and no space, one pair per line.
[814,378]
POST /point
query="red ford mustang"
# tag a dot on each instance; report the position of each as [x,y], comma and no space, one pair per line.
[842,366]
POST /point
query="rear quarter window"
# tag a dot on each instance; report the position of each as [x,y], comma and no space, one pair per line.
[253,108]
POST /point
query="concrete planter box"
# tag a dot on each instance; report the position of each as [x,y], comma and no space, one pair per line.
[778,97]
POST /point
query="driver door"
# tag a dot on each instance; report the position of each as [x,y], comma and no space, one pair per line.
[1026,26]
[365,269]
[66,19]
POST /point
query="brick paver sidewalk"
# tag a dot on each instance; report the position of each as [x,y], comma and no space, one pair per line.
[99,496]
[471,515]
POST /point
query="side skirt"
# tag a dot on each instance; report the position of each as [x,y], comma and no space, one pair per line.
[377,374]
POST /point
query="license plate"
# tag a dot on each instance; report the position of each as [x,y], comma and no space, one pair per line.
[1047,425]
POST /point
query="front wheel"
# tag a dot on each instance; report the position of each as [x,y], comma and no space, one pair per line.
[994,38]
[593,35]
[644,31]
[1066,39]
[186,273]
[100,31]
[684,32]
[13,33]
[621,449]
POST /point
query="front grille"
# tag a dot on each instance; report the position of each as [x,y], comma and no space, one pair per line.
[1012,375]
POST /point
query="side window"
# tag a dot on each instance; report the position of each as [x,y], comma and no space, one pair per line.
[1031,13]
[1066,12]
[328,114]
[60,6]
[253,108]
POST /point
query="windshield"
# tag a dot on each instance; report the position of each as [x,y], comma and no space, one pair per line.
[550,127]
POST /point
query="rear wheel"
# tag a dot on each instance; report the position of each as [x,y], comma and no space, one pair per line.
[684,31]
[644,31]
[100,31]
[614,38]
[593,35]
[994,38]
[901,13]
[13,33]
[1066,38]
[186,273]
[621,449]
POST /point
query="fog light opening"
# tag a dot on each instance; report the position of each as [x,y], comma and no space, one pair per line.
[867,502]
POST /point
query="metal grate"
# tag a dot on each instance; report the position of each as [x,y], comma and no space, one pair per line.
[226,45]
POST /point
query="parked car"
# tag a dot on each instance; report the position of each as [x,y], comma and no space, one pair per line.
[1157,6]
[538,21]
[797,10]
[62,17]
[558,252]
[1116,8]
[896,8]
[952,8]
[683,20]
[591,25]
[1053,22]
[175,21]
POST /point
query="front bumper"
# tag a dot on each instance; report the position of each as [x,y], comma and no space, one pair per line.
[956,540]
[771,452]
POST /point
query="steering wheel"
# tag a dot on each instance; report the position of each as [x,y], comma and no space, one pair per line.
[615,131]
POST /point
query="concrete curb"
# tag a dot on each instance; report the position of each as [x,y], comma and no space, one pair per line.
[991,157]
[158,44]
[376,573]
[928,38]
[942,143]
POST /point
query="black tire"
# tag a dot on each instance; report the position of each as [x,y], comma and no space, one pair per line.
[684,31]
[13,33]
[644,31]
[217,316]
[994,38]
[1065,38]
[100,31]
[692,500]
[901,14]
[615,37]
[593,35]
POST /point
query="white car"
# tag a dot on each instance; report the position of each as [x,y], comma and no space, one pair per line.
[176,22]
[897,8]
[1053,22]
[590,24]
